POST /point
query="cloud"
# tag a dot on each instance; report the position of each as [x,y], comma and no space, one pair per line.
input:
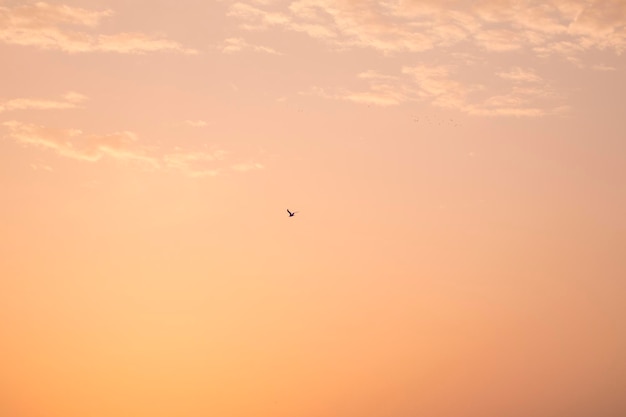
[603,67]
[53,26]
[70,100]
[195,123]
[129,43]
[343,24]
[601,24]
[190,123]
[520,75]
[464,34]
[524,94]
[41,14]
[470,34]
[244,167]
[394,26]
[41,167]
[499,40]
[381,90]
[123,147]
[434,83]
[380,95]
[519,101]
[194,163]
[437,84]
[74,144]
[232,45]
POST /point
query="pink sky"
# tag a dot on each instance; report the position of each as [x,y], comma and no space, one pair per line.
[459,169]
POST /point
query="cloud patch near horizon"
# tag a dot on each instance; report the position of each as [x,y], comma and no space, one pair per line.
[55,27]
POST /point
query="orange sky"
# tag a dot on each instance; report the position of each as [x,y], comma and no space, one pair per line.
[459,169]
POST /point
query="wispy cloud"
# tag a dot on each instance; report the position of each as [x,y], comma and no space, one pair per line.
[434,83]
[383,90]
[567,29]
[244,167]
[69,100]
[41,167]
[53,26]
[520,75]
[397,25]
[528,96]
[195,123]
[74,144]
[380,90]
[233,45]
[603,67]
[123,147]
[199,163]
[129,43]
[524,93]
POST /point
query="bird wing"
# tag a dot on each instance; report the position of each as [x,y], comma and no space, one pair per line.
[288,211]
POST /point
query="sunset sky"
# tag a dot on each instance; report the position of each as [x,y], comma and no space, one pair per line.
[459,172]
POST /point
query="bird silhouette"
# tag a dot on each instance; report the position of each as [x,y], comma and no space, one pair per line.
[291,213]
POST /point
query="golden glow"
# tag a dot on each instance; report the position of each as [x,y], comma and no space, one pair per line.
[459,175]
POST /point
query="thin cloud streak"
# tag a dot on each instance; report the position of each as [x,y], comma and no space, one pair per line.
[520,75]
[74,144]
[195,123]
[70,100]
[41,167]
[603,67]
[122,147]
[245,167]
[234,45]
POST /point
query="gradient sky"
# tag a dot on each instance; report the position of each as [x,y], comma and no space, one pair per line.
[459,169]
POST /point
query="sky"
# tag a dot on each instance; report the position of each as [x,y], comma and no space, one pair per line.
[459,172]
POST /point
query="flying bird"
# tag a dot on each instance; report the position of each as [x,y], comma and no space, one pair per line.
[291,213]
